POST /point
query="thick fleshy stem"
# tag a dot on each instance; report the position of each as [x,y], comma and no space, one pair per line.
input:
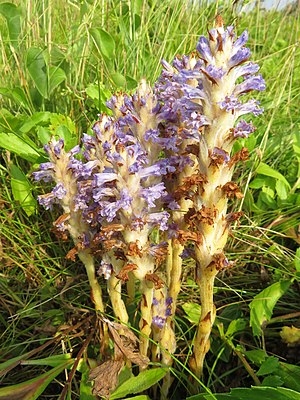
[96,292]
[130,284]
[205,280]
[146,315]
[114,287]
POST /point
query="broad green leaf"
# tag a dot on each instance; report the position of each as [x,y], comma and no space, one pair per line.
[69,138]
[12,14]
[118,79]
[15,144]
[56,77]
[139,383]
[51,361]
[131,83]
[256,356]
[99,94]
[269,191]
[85,386]
[265,393]
[261,181]
[104,42]
[137,6]
[235,326]
[93,91]
[290,374]
[272,380]
[18,96]
[22,190]
[43,135]
[37,68]
[141,397]
[125,374]
[261,307]
[193,312]
[37,118]
[265,169]
[33,388]
[282,190]
[265,201]
[61,126]
[253,393]
[268,366]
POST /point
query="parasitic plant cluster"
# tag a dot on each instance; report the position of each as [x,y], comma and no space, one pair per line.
[152,185]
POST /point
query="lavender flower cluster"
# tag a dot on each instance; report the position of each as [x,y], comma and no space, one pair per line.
[162,162]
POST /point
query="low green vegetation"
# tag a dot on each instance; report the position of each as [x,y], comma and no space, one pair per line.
[60,63]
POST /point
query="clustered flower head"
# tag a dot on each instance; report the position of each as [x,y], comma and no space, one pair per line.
[163,164]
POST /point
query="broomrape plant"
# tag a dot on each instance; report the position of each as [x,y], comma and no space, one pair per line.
[152,185]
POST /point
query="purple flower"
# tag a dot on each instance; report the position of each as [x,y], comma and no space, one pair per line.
[214,72]
[246,69]
[105,269]
[204,49]
[105,177]
[155,301]
[252,83]
[57,148]
[100,193]
[47,200]
[252,106]
[46,176]
[158,321]
[169,301]
[239,57]
[243,129]
[125,200]
[220,152]
[159,219]
[229,104]
[243,39]
[153,170]
[59,191]
[109,209]
[153,193]
[188,253]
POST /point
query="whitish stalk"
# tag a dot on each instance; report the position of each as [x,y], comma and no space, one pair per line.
[146,315]
[114,286]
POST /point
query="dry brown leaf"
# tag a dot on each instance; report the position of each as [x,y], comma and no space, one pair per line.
[105,377]
[127,342]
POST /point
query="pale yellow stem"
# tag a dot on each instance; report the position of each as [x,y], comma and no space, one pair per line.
[130,284]
[96,292]
[114,288]
[146,315]
[205,279]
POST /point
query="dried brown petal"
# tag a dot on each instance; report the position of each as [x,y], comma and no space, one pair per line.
[108,231]
[232,190]
[184,236]
[134,250]
[62,219]
[189,184]
[71,254]
[241,155]
[158,282]
[123,274]
[232,217]
[207,215]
